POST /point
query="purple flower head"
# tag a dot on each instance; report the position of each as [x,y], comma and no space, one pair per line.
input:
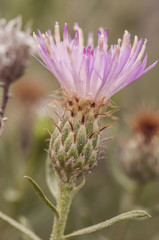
[88,72]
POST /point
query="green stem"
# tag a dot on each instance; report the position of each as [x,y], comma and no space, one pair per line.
[65,195]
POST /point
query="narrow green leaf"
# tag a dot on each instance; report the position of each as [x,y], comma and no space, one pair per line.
[51,179]
[21,228]
[42,195]
[108,223]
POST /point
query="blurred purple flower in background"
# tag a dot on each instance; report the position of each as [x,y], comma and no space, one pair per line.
[93,73]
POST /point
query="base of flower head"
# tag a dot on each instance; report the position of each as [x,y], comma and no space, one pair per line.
[75,141]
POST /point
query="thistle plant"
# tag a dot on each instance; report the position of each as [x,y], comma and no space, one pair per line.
[89,77]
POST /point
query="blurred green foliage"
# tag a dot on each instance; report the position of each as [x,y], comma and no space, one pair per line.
[23,143]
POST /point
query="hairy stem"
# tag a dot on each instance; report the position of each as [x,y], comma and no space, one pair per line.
[65,195]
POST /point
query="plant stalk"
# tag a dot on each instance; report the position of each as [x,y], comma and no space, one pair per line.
[65,196]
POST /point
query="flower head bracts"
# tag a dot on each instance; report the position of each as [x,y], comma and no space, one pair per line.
[89,72]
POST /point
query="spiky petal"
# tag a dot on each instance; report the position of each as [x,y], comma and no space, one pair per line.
[92,73]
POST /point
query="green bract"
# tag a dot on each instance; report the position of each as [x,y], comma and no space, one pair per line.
[75,142]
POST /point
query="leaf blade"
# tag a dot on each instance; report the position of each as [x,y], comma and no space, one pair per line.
[42,195]
[124,216]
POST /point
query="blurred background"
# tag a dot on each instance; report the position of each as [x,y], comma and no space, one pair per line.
[108,190]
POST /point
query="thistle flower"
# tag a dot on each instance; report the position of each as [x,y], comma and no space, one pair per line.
[89,72]
[139,155]
[15,49]
[89,77]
